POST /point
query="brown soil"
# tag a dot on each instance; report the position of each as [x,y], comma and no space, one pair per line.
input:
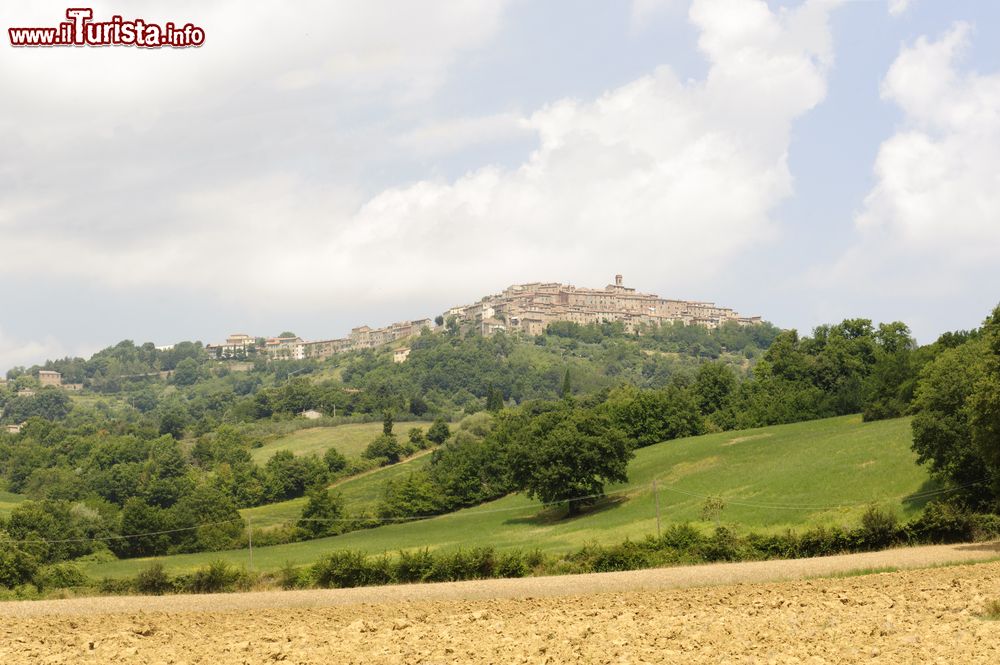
[915,616]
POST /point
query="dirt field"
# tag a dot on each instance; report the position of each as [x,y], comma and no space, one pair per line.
[917,616]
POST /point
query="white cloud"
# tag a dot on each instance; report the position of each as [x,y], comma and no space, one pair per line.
[661,179]
[645,10]
[928,233]
[937,185]
[14,352]
[448,136]
[898,7]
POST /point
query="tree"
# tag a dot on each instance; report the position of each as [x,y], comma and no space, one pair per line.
[418,406]
[438,431]
[385,448]
[956,415]
[985,407]
[650,416]
[439,320]
[713,385]
[387,423]
[417,438]
[289,476]
[187,372]
[323,514]
[567,455]
[494,399]
[173,420]
[567,388]
[413,496]
[335,461]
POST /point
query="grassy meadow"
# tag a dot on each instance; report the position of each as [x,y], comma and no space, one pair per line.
[8,500]
[821,472]
[360,493]
[350,439]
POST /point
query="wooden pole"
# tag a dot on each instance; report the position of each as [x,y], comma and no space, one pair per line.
[250,540]
[656,499]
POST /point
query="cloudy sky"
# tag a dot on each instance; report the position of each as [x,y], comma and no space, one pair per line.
[320,165]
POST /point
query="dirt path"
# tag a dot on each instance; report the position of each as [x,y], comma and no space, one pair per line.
[915,616]
[531,587]
[369,472]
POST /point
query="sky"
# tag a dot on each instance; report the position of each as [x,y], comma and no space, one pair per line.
[316,166]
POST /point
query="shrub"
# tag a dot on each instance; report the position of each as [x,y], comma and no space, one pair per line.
[343,569]
[153,580]
[512,564]
[723,545]
[626,556]
[417,438]
[413,566]
[335,461]
[290,577]
[942,523]
[384,448]
[473,564]
[879,528]
[16,565]
[215,577]
[116,586]
[60,576]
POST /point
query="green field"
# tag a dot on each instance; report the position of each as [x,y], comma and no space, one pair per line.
[350,440]
[361,493]
[7,502]
[772,478]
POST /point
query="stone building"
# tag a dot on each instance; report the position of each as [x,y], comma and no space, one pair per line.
[49,378]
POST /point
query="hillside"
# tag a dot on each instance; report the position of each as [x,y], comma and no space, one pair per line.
[774,478]
[360,493]
[350,440]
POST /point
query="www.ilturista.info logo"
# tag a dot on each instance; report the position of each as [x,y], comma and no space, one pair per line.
[82,30]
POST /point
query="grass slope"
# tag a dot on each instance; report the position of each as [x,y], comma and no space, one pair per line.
[360,493]
[772,478]
[8,500]
[350,440]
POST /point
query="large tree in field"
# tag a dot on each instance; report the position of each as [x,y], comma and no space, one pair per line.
[567,455]
[956,429]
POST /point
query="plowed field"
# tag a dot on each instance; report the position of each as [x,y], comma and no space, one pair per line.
[915,616]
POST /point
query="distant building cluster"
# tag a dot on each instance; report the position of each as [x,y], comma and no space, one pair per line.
[240,346]
[524,308]
[530,308]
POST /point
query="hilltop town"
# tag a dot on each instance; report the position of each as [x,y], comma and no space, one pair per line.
[520,308]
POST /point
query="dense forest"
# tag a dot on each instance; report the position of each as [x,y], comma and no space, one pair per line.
[159,442]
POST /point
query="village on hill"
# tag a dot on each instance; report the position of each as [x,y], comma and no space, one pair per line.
[525,308]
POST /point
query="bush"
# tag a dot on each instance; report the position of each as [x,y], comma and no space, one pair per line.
[116,586]
[215,577]
[153,580]
[60,576]
[335,461]
[343,569]
[473,564]
[384,448]
[942,523]
[879,528]
[438,432]
[291,577]
[413,566]
[626,556]
[16,566]
[512,564]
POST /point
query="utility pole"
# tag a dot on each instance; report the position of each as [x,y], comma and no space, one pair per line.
[656,499]
[250,539]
